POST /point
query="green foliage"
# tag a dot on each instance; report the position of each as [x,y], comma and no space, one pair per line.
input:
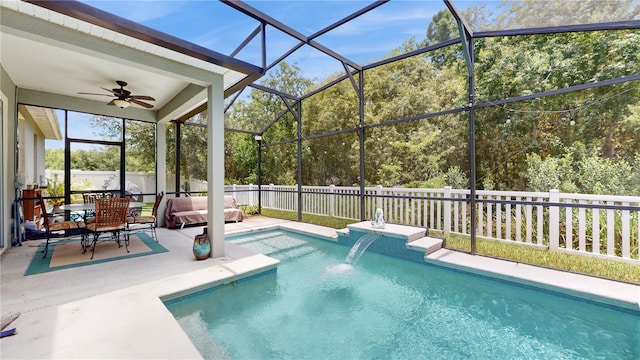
[332,222]
[55,188]
[433,183]
[248,210]
[543,175]
[193,152]
[279,162]
[54,159]
[605,176]
[456,178]
[140,142]
[514,66]
[579,171]
[101,159]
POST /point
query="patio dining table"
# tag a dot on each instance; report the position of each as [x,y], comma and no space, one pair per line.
[92,206]
[84,208]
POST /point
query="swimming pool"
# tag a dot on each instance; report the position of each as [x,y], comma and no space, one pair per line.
[317,307]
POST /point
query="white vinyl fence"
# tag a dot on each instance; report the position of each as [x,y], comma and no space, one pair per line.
[600,225]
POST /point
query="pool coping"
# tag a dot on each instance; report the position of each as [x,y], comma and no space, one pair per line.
[134,323]
[601,291]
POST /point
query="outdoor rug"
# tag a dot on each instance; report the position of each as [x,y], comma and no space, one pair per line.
[65,254]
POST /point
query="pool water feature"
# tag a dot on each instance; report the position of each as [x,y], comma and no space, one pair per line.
[360,247]
[318,307]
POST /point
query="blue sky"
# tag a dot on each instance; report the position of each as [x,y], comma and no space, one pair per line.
[216,26]
[221,28]
[81,128]
[365,39]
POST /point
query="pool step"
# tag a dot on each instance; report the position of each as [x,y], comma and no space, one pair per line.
[427,244]
[399,241]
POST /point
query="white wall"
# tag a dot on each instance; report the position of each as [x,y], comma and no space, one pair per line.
[31,160]
[7,160]
[30,156]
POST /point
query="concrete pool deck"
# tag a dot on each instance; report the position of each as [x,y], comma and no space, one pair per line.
[113,310]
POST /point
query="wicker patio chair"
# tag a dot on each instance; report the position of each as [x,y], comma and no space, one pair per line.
[55,228]
[137,222]
[111,218]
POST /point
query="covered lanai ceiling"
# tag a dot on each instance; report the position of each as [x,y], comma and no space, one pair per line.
[54,50]
[54,56]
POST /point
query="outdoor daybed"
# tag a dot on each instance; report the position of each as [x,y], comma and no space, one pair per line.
[193,210]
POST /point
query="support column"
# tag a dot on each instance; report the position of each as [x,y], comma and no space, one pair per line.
[299,117]
[161,167]
[259,141]
[361,141]
[178,126]
[215,167]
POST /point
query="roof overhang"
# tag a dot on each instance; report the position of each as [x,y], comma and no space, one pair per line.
[53,50]
[44,119]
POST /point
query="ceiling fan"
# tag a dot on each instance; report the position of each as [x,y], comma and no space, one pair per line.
[123,98]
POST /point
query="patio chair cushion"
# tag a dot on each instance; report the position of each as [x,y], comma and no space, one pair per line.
[230,202]
[145,219]
[193,210]
[65,225]
[93,227]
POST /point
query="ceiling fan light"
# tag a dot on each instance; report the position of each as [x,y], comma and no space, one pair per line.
[121,103]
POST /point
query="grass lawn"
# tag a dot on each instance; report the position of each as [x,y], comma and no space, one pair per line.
[611,269]
[588,265]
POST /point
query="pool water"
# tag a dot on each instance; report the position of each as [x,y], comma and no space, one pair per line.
[317,307]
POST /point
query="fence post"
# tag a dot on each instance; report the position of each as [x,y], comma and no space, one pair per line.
[378,199]
[447,211]
[332,200]
[554,220]
[272,195]
[234,191]
[251,194]
[295,198]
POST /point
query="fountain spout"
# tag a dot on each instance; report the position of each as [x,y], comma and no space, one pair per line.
[378,220]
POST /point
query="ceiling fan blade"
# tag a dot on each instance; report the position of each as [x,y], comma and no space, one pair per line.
[143,104]
[111,91]
[123,94]
[84,93]
[142,97]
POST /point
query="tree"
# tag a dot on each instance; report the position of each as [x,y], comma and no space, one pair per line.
[582,170]
[140,140]
[54,159]
[508,67]
[256,114]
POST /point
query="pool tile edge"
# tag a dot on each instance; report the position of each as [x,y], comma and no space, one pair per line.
[598,290]
[195,281]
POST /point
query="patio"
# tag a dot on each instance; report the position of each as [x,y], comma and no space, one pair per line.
[43,299]
[72,313]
